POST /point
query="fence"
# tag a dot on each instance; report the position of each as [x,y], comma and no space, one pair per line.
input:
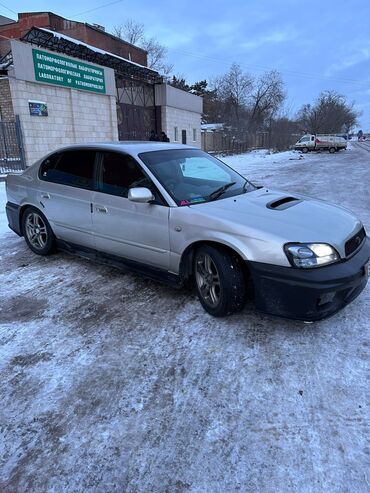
[223,142]
[11,147]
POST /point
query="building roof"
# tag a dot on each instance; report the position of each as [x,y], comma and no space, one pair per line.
[212,126]
[5,20]
[62,43]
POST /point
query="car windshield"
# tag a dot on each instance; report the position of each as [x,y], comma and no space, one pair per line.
[192,176]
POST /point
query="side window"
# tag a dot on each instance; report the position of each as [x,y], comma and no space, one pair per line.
[73,168]
[48,165]
[121,172]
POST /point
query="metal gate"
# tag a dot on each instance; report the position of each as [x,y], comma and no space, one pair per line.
[136,110]
[11,147]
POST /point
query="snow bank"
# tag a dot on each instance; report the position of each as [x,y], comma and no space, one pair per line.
[3,219]
[246,163]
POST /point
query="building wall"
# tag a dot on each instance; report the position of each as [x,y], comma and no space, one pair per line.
[166,95]
[6,106]
[181,110]
[74,117]
[183,120]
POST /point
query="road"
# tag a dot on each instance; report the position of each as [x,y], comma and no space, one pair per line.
[110,382]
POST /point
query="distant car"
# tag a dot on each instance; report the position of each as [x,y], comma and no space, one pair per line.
[177,214]
[320,142]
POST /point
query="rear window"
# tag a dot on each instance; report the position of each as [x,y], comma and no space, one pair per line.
[73,168]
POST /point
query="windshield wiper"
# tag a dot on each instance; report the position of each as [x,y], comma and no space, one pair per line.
[219,191]
[248,184]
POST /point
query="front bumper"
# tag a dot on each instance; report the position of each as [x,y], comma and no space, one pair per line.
[310,295]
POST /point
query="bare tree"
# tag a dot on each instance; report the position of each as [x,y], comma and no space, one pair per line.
[234,90]
[330,113]
[267,97]
[134,33]
[130,31]
[156,56]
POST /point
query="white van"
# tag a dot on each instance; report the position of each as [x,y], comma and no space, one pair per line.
[318,142]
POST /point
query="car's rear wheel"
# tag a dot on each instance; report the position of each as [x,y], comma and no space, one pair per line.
[37,232]
[332,150]
[219,281]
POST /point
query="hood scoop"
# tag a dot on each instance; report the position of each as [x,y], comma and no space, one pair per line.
[283,203]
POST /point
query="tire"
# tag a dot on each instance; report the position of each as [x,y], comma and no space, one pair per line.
[305,150]
[37,232]
[219,281]
[331,150]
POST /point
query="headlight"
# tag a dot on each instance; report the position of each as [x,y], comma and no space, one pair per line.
[309,255]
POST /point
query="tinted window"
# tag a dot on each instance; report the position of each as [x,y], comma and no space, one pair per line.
[121,172]
[74,168]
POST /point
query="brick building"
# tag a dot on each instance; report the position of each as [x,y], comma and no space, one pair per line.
[87,33]
[63,82]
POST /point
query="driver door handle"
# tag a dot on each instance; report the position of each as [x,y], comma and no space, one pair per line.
[101,209]
[45,195]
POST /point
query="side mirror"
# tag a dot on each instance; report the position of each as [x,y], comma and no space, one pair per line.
[140,194]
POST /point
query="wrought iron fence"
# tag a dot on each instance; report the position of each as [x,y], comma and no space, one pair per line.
[11,147]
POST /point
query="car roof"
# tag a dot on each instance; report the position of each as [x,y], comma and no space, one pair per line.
[129,146]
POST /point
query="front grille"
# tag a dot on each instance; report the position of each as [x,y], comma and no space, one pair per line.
[354,243]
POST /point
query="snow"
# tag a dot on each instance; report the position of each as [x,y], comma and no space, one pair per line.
[110,382]
[3,220]
[92,48]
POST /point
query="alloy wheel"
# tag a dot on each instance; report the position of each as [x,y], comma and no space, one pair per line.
[36,231]
[208,280]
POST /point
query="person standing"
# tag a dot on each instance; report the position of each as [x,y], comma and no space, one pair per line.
[153,136]
[164,137]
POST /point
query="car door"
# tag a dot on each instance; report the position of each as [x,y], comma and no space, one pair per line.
[65,192]
[136,231]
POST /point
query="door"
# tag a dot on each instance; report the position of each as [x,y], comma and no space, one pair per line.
[67,181]
[135,231]
[183,136]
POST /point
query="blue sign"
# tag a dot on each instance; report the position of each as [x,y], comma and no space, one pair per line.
[38,108]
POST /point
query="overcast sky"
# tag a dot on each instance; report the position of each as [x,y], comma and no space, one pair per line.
[316,45]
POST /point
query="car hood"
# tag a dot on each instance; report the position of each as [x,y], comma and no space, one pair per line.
[269,212]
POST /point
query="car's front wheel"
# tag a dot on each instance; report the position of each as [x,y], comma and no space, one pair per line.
[37,232]
[219,281]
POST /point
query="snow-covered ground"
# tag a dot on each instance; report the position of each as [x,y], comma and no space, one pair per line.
[110,382]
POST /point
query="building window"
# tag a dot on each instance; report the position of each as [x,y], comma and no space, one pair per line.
[176,134]
[194,134]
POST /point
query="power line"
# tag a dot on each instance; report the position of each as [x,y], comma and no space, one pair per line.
[7,8]
[97,8]
[294,73]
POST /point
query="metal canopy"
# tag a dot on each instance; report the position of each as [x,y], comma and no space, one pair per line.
[6,61]
[122,67]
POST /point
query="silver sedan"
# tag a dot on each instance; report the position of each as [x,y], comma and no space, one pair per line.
[176,214]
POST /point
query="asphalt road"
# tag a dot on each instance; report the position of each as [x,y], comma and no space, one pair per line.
[110,382]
